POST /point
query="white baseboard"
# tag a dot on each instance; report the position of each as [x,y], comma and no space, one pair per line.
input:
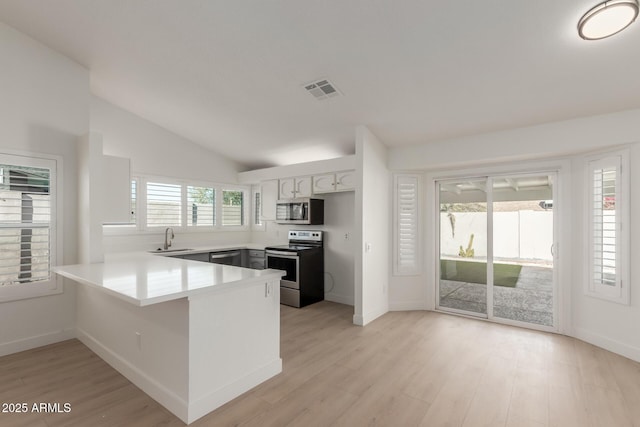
[219,397]
[363,319]
[407,305]
[188,413]
[340,299]
[158,392]
[614,346]
[36,341]
[358,320]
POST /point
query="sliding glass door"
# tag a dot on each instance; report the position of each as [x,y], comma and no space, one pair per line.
[523,237]
[495,248]
[463,246]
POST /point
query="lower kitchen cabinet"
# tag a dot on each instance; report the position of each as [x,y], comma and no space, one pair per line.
[255,259]
[203,256]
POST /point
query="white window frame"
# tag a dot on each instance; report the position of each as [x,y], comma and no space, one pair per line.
[54,284]
[141,227]
[620,291]
[416,268]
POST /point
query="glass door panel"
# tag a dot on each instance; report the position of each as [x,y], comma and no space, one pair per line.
[462,258]
[522,241]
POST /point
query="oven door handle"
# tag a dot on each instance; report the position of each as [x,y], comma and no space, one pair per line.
[282,254]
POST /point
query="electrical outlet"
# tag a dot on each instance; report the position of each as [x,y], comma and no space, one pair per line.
[346,236]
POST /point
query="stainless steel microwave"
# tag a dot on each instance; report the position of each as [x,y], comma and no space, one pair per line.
[300,211]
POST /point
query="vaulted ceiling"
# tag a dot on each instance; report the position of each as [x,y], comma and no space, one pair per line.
[230,75]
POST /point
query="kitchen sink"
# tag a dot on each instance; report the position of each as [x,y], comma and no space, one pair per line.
[168,251]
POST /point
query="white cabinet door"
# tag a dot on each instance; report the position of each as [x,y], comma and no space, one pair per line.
[287,189]
[303,186]
[324,183]
[116,204]
[346,181]
[268,199]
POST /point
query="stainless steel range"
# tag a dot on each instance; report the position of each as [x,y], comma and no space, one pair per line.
[303,260]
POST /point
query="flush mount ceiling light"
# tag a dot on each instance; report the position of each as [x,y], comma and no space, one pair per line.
[607,19]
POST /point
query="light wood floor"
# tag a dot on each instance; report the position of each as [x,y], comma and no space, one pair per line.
[404,369]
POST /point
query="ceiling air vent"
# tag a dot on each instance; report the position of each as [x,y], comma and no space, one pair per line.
[322,89]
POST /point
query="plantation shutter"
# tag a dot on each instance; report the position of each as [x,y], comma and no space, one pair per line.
[28,227]
[606,241]
[604,225]
[406,241]
[256,209]
[25,223]
[164,205]
[232,208]
[134,200]
[201,206]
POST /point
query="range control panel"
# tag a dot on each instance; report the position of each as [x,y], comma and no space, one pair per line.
[306,235]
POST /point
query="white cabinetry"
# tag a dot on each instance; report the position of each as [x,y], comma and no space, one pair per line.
[287,189]
[332,182]
[324,183]
[116,205]
[345,181]
[303,186]
[291,188]
[268,199]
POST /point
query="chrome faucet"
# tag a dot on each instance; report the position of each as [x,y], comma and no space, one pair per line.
[167,239]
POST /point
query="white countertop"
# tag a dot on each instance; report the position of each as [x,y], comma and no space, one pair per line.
[145,279]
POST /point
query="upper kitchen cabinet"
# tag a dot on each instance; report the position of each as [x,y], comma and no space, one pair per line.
[345,181]
[268,199]
[116,207]
[325,183]
[332,182]
[291,188]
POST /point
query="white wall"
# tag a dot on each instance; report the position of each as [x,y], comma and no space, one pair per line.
[44,109]
[603,323]
[339,254]
[91,188]
[372,207]
[154,150]
[534,142]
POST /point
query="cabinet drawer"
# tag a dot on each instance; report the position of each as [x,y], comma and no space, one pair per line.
[254,253]
[290,297]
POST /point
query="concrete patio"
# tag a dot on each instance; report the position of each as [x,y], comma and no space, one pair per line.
[531,300]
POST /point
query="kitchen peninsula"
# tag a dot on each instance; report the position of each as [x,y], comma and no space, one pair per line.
[192,335]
